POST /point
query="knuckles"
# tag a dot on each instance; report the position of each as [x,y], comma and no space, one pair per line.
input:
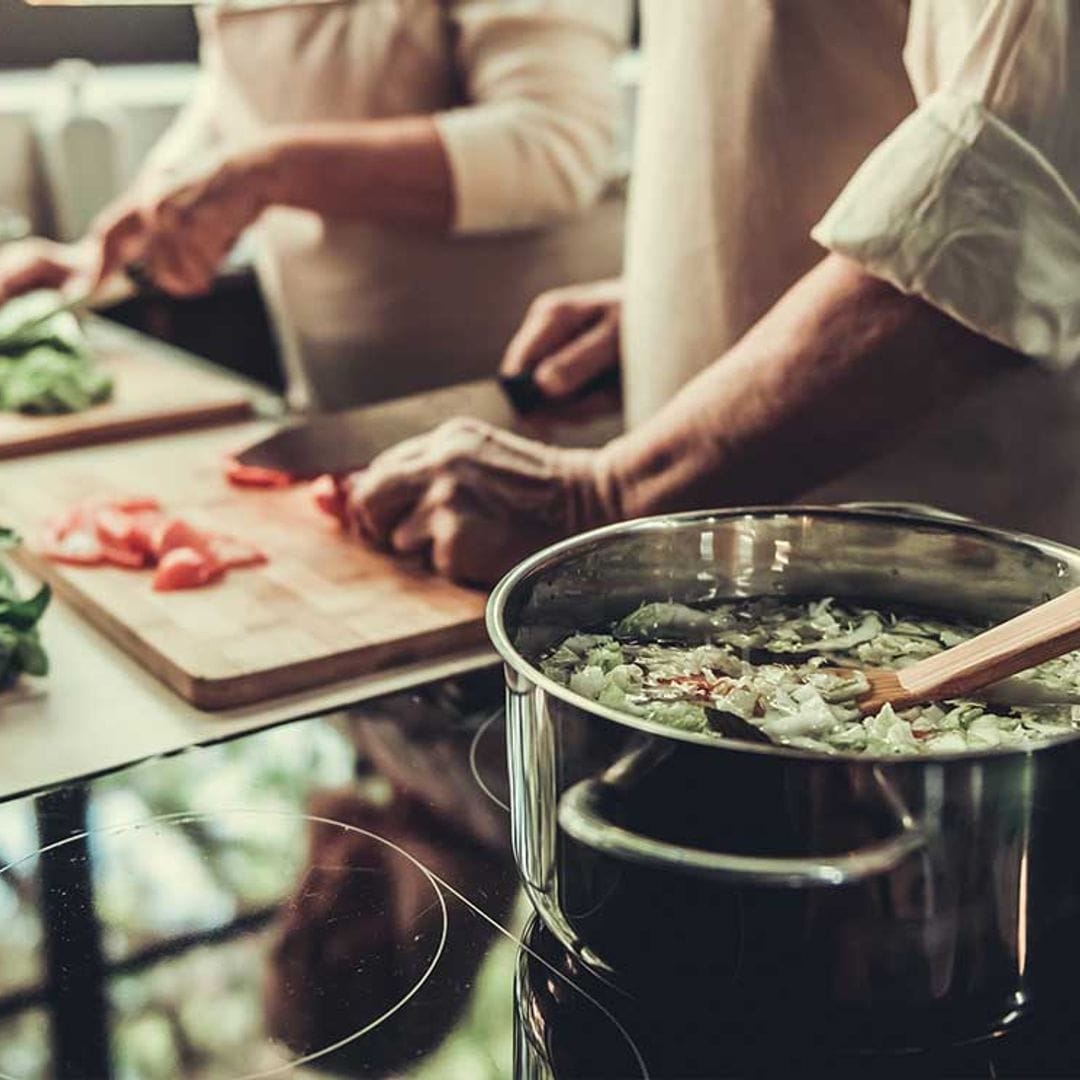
[458,442]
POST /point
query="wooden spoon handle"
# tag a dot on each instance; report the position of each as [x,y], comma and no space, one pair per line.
[1040,634]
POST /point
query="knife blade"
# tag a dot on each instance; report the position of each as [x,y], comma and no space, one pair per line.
[344,441]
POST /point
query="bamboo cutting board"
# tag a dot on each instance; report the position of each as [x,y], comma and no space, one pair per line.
[155,389]
[324,608]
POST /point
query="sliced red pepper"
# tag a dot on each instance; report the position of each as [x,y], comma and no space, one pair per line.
[255,476]
[231,553]
[113,526]
[329,497]
[185,568]
[699,683]
[134,533]
[144,527]
[75,547]
[134,503]
[119,555]
[174,533]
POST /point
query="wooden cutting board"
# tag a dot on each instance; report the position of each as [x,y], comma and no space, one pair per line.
[324,608]
[155,388]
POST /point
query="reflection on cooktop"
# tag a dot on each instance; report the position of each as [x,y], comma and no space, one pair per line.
[338,897]
[493,780]
[327,894]
[366,870]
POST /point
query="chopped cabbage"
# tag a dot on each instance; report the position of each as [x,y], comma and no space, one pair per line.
[667,662]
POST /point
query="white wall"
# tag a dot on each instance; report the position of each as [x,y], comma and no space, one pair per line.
[145,97]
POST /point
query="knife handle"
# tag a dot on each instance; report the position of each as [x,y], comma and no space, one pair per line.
[527,397]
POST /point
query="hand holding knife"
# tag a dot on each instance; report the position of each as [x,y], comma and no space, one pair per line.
[343,442]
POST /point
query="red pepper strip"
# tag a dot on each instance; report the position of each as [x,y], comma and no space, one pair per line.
[185,568]
[254,476]
[329,497]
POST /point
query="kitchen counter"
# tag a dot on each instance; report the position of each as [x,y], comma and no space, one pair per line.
[99,710]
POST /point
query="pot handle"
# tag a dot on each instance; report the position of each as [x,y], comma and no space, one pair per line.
[581,815]
[913,508]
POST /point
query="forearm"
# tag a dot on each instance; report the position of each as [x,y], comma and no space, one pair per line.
[391,171]
[843,366]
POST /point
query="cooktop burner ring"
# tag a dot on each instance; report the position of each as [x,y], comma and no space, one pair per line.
[474,763]
[186,816]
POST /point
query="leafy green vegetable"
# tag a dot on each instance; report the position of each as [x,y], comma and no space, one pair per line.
[24,614]
[672,622]
[666,662]
[21,651]
[45,367]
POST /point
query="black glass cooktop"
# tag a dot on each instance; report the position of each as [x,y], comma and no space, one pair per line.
[337,898]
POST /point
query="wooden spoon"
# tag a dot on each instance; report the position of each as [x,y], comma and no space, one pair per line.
[1037,635]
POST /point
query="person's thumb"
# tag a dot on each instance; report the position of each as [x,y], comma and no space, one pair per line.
[119,243]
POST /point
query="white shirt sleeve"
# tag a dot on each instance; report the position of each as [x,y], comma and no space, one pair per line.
[536,141]
[971,203]
[194,133]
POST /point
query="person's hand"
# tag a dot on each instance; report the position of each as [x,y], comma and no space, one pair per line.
[42,264]
[179,231]
[568,337]
[476,499]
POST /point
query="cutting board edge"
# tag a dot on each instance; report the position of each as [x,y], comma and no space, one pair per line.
[158,665]
[254,687]
[120,430]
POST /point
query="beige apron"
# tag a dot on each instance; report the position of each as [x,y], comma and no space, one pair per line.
[753,116]
[363,312]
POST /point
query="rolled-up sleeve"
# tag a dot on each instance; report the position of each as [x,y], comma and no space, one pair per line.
[194,133]
[971,203]
[191,136]
[535,141]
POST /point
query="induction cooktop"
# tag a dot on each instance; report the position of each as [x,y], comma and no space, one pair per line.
[337,898]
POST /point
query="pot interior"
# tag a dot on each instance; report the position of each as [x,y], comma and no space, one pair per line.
[954,569]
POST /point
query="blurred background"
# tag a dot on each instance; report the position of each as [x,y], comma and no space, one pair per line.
[131,66]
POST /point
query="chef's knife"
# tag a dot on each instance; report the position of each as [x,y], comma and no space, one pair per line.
[344,441]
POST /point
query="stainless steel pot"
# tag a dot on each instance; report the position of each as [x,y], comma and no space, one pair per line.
[903,901]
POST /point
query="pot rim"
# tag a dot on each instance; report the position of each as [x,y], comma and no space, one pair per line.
[496,606]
